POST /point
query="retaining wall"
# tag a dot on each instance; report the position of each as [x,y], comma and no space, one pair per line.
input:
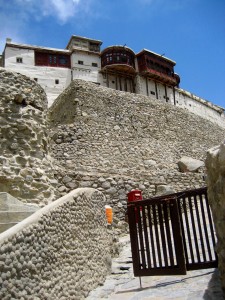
[26,169]
[60,252]
[116,141]
[215,163]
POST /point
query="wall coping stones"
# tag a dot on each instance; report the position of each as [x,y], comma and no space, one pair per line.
[35,217]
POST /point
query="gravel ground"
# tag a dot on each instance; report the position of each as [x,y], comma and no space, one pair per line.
[122,285]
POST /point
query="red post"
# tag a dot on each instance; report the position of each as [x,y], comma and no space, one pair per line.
[135,195]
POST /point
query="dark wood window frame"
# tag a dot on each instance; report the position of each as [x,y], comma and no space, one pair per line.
[52,59]
[19,60]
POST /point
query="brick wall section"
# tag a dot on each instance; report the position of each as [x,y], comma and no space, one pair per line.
[60,252]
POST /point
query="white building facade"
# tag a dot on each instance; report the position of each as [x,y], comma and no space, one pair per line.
[116,67]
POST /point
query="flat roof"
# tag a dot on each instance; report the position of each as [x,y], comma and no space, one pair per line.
[34,47]
[161,56]
[83,38]
[119,47]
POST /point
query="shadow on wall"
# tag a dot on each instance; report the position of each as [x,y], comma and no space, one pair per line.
[214,290]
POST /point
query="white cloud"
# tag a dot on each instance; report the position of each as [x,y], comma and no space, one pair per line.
[17,15]
[63,10]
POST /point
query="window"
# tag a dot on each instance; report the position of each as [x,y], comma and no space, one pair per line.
[52,60]
[153,93]
[80,62]
[56,81]
[35,79]
[94,65]
[19,60]
[63,60]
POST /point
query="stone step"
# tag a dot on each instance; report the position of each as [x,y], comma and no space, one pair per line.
[20,207]
[5,226]
[8,202]
[13,211]
[14,216]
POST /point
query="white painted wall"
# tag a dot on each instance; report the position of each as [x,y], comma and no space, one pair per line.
[183,99]
[199,106]
[116,82]
[148,87]
[46,76]
[85,71]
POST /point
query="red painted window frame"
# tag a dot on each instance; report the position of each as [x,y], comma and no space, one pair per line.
[51,59]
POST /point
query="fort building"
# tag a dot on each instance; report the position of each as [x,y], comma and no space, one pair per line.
[116,67]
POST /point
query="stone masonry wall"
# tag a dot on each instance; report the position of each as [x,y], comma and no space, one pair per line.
[215,164]
[60,252]
[116,141]
[26,170]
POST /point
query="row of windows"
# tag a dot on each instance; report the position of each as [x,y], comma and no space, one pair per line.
[56,80]
[81,62]
[156,66]
[118,58]
[145,62]
[58,60]
[52,60]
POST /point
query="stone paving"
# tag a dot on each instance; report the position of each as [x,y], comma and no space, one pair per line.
[122,285]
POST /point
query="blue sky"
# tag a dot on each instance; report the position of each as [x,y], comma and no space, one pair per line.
[191,32]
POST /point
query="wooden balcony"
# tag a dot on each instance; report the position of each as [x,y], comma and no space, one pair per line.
[160,76]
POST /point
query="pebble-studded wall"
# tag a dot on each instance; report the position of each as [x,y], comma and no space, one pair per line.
[60,252]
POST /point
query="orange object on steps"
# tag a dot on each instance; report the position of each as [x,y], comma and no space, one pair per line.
[109,214]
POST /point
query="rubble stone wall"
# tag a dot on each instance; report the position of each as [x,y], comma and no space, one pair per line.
[215,164]
[116,141]
[60,252]
[26,169]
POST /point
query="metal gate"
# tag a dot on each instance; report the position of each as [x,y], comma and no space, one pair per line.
[172,234]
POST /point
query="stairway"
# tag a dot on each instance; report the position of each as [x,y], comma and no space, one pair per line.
[12,211]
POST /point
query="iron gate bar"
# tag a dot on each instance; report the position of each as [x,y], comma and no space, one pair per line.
[205,227]
[146,237]
[188,232]
[143,262]
[203,258]
[210,222]
[169,234]
[206,230]
[169,238]
[151,235]
[194,228]
[157,236]
[137,240]
[163,234]
[199,223]
[180,207]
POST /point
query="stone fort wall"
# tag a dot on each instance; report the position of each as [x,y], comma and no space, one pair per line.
[26,169]
[116,141]
[215,163]
[100,138]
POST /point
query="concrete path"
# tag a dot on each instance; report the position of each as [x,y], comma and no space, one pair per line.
[122,285]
